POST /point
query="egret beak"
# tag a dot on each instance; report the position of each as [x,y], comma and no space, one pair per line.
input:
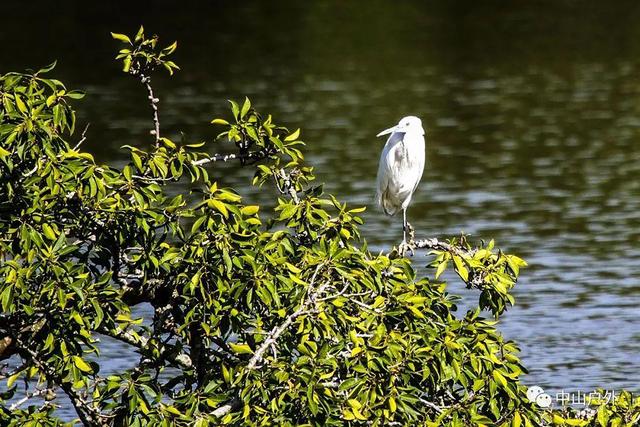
[396,128]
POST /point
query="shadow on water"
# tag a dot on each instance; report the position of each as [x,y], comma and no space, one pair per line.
[532,117]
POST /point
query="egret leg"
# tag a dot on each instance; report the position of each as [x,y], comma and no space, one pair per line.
[404,225]
[405,245]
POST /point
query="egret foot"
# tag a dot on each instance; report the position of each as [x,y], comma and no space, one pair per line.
[405,247]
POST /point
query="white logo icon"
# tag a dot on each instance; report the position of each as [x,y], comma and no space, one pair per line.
[537,395]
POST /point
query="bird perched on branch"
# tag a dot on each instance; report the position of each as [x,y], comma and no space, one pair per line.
[400,169]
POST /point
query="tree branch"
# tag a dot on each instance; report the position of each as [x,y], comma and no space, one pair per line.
[287,188]
[273,336]
[431,405]
[36,393]
[146,80]
[88,415]
[83,138]
[435,244]
[181,359]
[251,155]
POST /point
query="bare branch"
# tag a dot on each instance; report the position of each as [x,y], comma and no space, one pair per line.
[83,138]
[251,155]
[287,188]
[365,306]
[146,80]
[13,372]
[44,158]
[224,409]
[182,359]
[151,179]
[88,415]
[435,244]
[36,393]
[273,336]
[431,243]
[431,405]
[275,333]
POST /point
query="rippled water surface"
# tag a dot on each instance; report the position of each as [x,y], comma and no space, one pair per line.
[532,113]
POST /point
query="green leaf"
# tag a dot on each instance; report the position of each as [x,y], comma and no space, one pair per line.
[12,379]
[241,348]
[81,364]
[226,374]
[20,104]
[170,49]
[139,34]
[126,64]
[48,232]
[219,122]
[392,404]
[293,136]
[75,94]
[136,160]
[354,403]
[441,267]
[461,269]
[47,68]
[219,206]
[197,224]
[121,37]
[500,379]
[517,420]
[235,109]
[250,210]
[603,416]
[245,107]
[173,410]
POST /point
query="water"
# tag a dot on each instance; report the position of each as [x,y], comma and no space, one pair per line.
[532,114]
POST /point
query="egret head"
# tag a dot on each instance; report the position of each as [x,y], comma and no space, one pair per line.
[409,124]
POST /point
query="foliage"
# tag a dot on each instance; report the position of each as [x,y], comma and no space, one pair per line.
[624,410]
[280,318]
[142,55]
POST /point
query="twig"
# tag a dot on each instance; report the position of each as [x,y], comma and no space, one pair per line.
[275,334]
[224,409]
[29,396]
[151,179]
[272,338]
[83,137]
[88,415]
[344,289]
[181,359]
[226,157]
[216,158]
[365,306]
[431,405]
[287,187]
[146,80]
[435,244]
[15,371]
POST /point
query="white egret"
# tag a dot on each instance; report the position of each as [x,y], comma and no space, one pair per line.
[401,167]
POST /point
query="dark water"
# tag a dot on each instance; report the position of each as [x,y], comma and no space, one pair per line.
[532,111]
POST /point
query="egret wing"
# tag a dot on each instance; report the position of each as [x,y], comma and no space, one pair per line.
[387,171]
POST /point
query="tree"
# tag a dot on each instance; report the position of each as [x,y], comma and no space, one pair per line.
[279,318]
